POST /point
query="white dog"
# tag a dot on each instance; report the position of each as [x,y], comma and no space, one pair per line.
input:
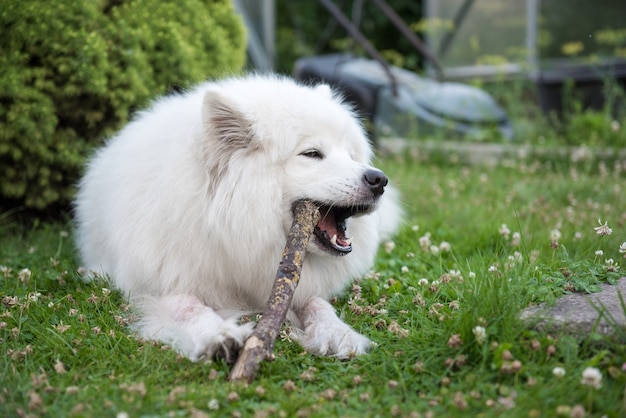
[187,210]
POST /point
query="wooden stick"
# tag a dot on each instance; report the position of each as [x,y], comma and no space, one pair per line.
[260,345]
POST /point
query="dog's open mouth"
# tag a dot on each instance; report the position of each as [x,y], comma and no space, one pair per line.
[330,231]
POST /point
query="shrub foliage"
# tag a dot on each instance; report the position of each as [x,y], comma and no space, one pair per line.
[73,71]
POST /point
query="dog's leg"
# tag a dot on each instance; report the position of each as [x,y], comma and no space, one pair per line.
[191,327]
[325,334]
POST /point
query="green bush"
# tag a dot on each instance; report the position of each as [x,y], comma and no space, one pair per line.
[71,73]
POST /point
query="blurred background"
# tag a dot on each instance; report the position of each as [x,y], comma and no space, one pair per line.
[561,56]
[527,72]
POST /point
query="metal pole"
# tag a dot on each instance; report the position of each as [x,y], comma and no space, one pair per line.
[410,35]
[358,36]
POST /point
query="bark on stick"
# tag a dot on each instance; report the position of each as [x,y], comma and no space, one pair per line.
[260,345]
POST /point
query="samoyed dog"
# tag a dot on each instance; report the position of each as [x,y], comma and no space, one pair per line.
[187,211]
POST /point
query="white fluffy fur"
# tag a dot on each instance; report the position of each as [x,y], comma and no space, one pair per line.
[188,207]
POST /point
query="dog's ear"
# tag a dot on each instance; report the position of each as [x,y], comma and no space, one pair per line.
[226,133]
[224,123]
[325,90]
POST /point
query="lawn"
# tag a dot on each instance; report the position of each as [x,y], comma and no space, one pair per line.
[479,244]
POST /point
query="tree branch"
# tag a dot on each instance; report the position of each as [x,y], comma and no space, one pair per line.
[260,345]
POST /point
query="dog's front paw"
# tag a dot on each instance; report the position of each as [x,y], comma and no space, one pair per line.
[223,342]
[336,340]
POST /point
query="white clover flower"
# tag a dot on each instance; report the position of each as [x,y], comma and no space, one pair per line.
[415,228]
[591,377]
[578,411]
[34,296]
[611,266]
[471,275]
[555,235]
[423,282]
[599,253]
[6,271]
[504,231]
[455,274]
[615,125]
[424,241]
[105,291]
[480,333]
[603,229]
[404,269]
[517,238]
[434,249]
[622,249]
[389,246]
[510,263]
[444,247]
[213,404]
[24,275]
[492,269]
[558,371]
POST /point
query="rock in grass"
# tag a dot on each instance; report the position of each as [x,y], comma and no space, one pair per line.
[581,314]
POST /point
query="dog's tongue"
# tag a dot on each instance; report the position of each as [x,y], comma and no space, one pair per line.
[327,223]
[336,235]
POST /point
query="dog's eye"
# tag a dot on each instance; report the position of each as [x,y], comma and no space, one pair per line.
[313,153]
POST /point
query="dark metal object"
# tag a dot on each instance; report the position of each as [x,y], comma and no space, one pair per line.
[399,102]
[459,17]
[358,36]
[410,36]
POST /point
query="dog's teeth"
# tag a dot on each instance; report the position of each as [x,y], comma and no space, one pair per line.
[348,241]
[333,240]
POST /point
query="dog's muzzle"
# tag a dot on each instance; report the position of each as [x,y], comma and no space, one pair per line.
[331,229]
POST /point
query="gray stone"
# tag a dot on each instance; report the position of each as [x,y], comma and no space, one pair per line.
[579,313]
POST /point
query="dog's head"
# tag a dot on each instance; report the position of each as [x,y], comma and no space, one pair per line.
[313,142]
[326,168]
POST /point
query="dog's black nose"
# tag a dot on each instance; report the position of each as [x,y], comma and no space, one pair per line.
[376,180]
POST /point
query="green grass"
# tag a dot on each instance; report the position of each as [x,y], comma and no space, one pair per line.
[67,351]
